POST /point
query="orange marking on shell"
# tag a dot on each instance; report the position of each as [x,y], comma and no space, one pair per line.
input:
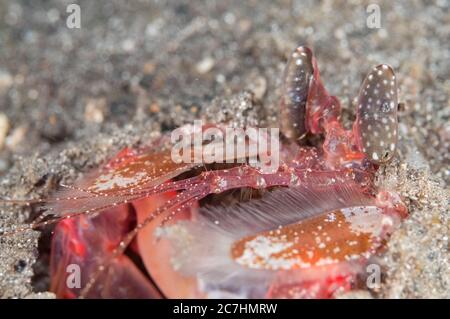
[145,169]
[326,239]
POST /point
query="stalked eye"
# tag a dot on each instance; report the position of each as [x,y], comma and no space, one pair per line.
[297,77]
[376,121]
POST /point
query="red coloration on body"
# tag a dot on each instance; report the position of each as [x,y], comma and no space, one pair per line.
[308,237]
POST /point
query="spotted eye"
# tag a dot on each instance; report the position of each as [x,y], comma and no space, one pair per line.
[297,77]
[376,121]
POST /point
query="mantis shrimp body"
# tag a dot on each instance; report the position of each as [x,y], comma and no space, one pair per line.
[316,221]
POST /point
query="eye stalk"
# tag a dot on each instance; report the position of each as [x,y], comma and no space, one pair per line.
[376,126]
[297,77]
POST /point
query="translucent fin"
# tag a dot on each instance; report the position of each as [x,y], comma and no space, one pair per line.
[283,207]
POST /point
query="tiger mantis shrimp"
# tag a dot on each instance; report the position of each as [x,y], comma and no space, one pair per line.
[310,233]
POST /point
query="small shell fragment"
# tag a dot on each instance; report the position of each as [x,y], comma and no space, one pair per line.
[376,121]
[297,78]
